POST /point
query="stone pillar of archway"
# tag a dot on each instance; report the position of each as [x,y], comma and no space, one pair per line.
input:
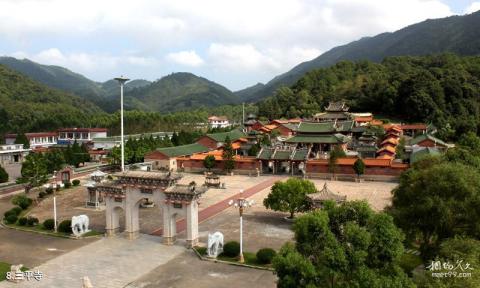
[114,198]
[132,224]
[182,198]
[192,223]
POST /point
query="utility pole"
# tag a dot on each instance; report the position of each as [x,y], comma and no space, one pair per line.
[122,81]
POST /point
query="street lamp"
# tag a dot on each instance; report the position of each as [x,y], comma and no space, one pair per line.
[241,203]
[122,81]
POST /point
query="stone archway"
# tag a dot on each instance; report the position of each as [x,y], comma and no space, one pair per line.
[175,200]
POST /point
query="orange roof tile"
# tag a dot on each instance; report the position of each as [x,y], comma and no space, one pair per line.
[419,126]
[387,149]
[364,118]
[271,126]
[390,141]
[376,122]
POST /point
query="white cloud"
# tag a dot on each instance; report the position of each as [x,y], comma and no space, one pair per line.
[473,7]
[263,38]
[186,58]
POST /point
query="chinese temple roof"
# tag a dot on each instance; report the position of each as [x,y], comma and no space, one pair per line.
[326,194]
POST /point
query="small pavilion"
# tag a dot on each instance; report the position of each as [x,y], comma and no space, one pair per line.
[317,199]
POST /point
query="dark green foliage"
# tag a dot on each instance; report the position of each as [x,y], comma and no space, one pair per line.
[335,153]
[49,224]
[22,139]
[55,159]
[227,155]
[67,185]
[290,196]
[456,34]
[265,255]
[14,211]
[49,190]
[42,194]
[22,221]
[454,251]
[3,175]
[65,226]
[34,171]
[346,245]
[437,199]
[359,167]
[209,162]
[11,219]
[231,249]
[253,151]
[76,182]
[22,201]
[438,89]
[201,250]
[29,106]
[32,221]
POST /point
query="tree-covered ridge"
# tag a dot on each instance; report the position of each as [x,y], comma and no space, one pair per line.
[456,34]
[26,105]
[441,89]
[180,91]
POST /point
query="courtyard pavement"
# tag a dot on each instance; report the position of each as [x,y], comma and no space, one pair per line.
[109,263]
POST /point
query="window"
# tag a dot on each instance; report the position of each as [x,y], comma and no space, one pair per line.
[177,205]
[118,199]
[146,191]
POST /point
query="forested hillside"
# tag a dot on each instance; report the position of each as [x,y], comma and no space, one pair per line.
[179,91]
[456,34]
[443,90]
[26,105]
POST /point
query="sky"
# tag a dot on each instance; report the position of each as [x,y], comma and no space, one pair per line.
[236,43]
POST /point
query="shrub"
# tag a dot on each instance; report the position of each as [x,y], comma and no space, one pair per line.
[49,224]
[22,221]
[231,249]
[201,250]
[76,182]
[65,226]
[22,201]
[32,221]
[14,211]
[49,190]
[42,195]
[11,219]
[265,255]
[67,184]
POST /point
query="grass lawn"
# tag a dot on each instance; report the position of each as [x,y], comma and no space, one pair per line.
[40,228]
[4,268]
[408,262]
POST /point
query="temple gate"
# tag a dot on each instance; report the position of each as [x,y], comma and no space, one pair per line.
[132,187]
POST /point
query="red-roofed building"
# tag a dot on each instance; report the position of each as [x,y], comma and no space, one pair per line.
[37,140]
[414,129]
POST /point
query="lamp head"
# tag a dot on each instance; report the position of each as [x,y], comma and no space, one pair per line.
[122,79]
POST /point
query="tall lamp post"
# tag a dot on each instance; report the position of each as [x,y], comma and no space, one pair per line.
[241,203]
[122,81]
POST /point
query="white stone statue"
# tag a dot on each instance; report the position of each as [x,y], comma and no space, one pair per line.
[16,274]
[80,225]
[215,244]
[86,283]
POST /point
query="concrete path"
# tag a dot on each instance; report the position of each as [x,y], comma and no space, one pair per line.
[110,262]
[222,205]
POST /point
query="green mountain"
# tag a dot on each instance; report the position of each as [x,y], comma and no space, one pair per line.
[457,34]
[26,105]
[179,91]
[440,89]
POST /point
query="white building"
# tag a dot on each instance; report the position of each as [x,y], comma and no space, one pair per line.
[37,140]
[81,135]
[107,143]
[218,122]
[14,153]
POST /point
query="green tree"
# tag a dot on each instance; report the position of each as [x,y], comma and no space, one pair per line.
[209,162]
[22,139]
[3,175]
[454,251]
[437,201]
[228,155]
[253,151]
[335,153]
[34,171]
[359,167]
[346,245]
[55,160]
[290,196]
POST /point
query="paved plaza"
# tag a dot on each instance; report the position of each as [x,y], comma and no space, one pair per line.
[144,262]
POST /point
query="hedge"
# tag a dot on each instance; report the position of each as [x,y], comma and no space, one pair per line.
[265,255]
[49,224]
[231,249]
[65,226]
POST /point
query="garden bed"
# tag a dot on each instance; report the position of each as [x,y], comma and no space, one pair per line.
[4,268]
[250,259]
